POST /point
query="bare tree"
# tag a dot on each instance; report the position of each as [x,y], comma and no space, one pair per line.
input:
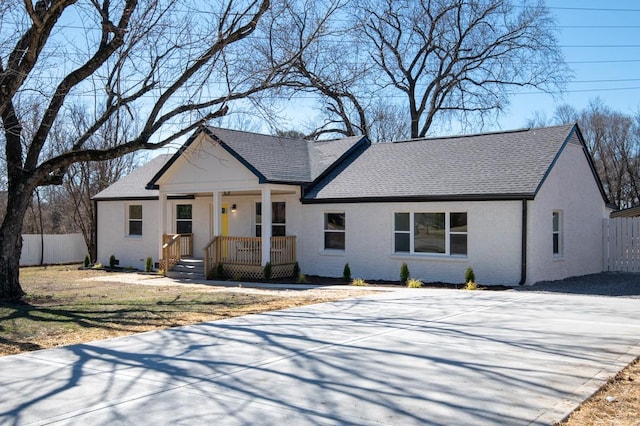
[439,60]
[171,64]
[86,179]
[613,140]
[326,63]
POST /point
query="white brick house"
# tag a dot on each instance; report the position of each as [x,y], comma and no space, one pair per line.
[519,206]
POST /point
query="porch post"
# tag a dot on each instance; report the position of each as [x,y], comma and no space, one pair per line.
[266,225]
[162,196]
[217,213]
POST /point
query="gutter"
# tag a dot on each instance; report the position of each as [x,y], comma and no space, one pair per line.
[523,250]
[95,231]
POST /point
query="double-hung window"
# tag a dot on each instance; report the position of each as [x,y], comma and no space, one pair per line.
[458,233]
[557,233]
[334,231]
[184,217]
[278,219]
[430,232]
[135,220]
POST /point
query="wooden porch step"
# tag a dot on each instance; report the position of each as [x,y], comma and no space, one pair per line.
[186,268]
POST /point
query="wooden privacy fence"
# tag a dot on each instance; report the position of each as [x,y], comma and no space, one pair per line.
[621,244]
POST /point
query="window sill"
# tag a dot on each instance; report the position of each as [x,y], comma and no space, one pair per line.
[135,237]
[331,252]
[429,256]
[558,258]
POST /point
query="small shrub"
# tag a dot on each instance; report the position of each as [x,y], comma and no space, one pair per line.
[296,270]
[471,285]
[404,273]
[237,276]
[148,265]
[267,271]
[469,275]
[112,261]
[359,282]
[414,283]
[219,274]
[346,273]
[302,279]
[86,261]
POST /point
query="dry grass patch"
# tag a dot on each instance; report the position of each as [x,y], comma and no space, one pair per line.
[616,403]
[65,306]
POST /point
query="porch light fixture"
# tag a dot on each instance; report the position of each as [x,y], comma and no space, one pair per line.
[233,208]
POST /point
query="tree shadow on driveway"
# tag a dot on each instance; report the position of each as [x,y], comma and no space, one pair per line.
[408,357]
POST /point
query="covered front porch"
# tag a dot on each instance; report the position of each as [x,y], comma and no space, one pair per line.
[237,245]
[234,257]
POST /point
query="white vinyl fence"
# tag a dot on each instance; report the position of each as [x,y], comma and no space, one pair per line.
[621,244]
[65,248]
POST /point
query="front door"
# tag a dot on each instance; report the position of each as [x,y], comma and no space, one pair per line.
[225,220]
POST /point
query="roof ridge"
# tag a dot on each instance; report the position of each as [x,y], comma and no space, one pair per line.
[471,135]
[213,128]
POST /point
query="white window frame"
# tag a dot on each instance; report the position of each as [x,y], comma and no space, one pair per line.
[408,232]
[333,231]
[411,232]
[557,232]
[450,233]
[177,219]
[129,219]
[273,224]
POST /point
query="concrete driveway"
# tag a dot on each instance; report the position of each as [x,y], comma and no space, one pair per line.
[409,356]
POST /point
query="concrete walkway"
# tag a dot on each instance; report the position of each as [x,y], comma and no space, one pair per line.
[394,358]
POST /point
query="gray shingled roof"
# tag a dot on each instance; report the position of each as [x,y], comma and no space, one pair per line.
[280,159]
[485,166]
[499,165]
[133,185]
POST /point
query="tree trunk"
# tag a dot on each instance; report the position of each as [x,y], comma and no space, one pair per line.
[11,247]
[10,289]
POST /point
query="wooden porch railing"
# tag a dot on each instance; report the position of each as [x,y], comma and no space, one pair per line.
[174,247]
[210,256]
[247,252]
[186,243]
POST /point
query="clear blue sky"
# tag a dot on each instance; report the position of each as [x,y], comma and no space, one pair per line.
[601,43]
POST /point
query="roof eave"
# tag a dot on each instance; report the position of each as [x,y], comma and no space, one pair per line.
[575,129]
[132,198]
[261,178]
[422,198]
[152,184]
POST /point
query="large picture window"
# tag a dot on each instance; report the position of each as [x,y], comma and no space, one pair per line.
[135,220]
[184,217]
[278,219]
[429,232]
[334,231]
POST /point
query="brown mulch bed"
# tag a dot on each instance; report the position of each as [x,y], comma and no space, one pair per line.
[320,280]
